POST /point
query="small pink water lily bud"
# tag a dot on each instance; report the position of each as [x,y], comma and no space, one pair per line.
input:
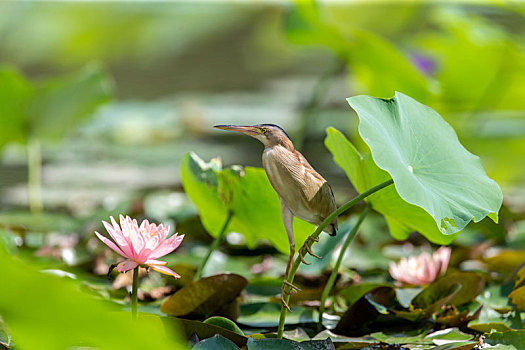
[141,245]
[421,269]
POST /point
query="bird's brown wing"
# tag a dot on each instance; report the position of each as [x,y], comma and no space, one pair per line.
[319,194]
[304,191]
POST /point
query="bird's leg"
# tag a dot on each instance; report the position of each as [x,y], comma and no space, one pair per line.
[288,288]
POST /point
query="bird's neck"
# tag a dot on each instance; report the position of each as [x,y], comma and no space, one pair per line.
[286,143]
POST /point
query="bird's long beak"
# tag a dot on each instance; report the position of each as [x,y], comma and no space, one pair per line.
[248,130]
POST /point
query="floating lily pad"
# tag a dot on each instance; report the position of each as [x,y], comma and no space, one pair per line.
[430,167]
[247,193]
[284,344]
[205,296]
[514,337]
[267,315]
[448,335]
[217,342]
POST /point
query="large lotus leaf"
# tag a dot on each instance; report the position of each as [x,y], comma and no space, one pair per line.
[401,216]
[247,193]
[430,167]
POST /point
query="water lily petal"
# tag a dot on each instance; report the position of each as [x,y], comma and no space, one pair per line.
[119,238]
[127,265]
[110,244]
[165,270]
[152,262]
[167,246]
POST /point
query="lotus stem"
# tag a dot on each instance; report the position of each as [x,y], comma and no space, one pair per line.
[134,291]
[335,271]
[213,246]
[309,241]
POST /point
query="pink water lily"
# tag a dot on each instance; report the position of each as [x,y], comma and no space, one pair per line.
[421,269]
[141,246]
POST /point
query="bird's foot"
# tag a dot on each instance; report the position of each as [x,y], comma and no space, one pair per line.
[293,289]
[306,249]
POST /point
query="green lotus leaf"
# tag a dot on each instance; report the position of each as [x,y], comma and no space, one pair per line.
[429,166]
[247,193]
[402,217]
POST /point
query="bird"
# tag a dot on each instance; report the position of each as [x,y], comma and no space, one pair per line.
[303,192]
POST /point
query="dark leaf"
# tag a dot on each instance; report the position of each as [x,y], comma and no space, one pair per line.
[470,285]
[205,296]
[203,330]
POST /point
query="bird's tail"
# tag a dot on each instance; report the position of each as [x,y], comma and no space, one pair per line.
[332,229]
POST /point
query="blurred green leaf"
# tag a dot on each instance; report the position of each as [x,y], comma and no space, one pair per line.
[204,296]
[514,337]
[429,166]
[371,61]
[399,338]
[49,109]
[5,337]
[490,320]
[517,296]
[35,305]
[40,222]
[14,92]
[58,105]
[370,57]
[495,297]
[449,334]
[225,323]
[356,291]
[247,193]
[216,342]
[505,261]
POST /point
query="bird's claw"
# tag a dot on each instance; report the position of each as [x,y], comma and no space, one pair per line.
[293,289]
[308,250]
[283,303]
[301,256]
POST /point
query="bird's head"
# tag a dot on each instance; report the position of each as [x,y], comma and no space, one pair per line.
[268,134]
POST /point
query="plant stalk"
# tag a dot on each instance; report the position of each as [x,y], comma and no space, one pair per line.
[34,178]
[213,246]
[314,236]
[134,291]
[331,280]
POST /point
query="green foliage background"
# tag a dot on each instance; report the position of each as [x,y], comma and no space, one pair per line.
[119,93]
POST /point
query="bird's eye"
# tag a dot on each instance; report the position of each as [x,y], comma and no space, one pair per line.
[264,131]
